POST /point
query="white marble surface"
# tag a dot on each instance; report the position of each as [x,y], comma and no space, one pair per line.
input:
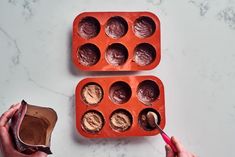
[197,69]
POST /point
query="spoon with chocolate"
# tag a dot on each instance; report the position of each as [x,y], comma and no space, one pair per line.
[153,122]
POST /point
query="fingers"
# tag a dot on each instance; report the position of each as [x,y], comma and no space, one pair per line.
[5,139]
[8,114]
[39,154]
[178,145]
[169,151]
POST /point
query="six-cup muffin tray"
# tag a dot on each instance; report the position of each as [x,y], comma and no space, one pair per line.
[142,94]
[116,41]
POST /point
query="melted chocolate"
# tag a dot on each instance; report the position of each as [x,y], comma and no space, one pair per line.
[144,27]
[88,54]
[145,54]
[120,92]
[88,28]
[116,54]
[148,91]
[143,120]
[116,27]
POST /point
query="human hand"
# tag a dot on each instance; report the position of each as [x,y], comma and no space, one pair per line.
[6,145]
[181,151]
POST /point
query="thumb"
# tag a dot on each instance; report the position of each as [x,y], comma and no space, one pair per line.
[169,151]
[39,154]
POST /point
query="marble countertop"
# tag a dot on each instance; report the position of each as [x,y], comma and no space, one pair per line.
[197,69]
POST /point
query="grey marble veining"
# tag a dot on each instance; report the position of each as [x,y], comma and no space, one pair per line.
[197,69]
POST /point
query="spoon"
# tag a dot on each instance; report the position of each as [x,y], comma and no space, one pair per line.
[153,122]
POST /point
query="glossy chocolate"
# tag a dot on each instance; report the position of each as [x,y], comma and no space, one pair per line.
[88,54]
[116,54]
[144,27]
[145,54]
[88,27]
[116,27]
[120,92]
[148,91]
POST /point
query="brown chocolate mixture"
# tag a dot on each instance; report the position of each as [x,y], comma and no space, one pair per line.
[33,130]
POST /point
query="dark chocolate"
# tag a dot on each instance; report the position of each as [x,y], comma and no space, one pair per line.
[120,92]
[88,27]
[144,27]
[143,120]
[145,54]
[148,91]
[116,27]
[116,54]
[88,54]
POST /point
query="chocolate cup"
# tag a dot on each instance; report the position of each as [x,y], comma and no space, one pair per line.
[92,121]
[143,121]
[116,27]
[31,128]
[120,92]
[121,120]
[148,91]
[144,27]
[88,27]
[144,54]
[116,54]
[88,54]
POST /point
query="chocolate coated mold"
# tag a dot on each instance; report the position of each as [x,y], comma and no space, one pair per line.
[121,120]
[148,91]
[143,120]
[92,93]
[92,121]
[144,27]
[88,54]
[88,27]
[116,54]
[144,54]
[120,92]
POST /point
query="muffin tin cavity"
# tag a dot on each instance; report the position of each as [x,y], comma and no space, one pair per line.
[119,106]
[143,121]
[144,27]
[88,27]
[144,54]
[148,91]
[121,41]
[88,54]
[92,93]
[116,27]
[92,121]
[120,92]
[116,54]
[121,120]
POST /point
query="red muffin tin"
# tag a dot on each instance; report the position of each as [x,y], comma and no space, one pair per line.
[129,40]
[106,106]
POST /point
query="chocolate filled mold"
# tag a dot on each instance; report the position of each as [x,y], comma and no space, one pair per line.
[88,54]
[92,121]
[144,54]
[88,27]
[92,93]
[143,120]
[116,27]
[116,54]
[144,27]
[121,120]
[120,92]
[148,91]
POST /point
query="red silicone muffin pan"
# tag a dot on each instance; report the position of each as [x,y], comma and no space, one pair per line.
[107,103]
[116,41]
